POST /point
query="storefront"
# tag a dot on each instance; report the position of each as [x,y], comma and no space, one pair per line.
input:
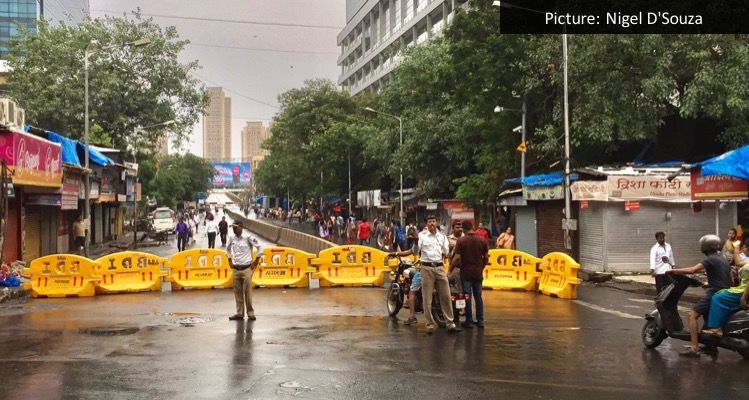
[35,167]
[620,215]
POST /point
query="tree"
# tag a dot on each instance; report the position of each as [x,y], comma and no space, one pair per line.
[130,87]
[174,178]
[317,129]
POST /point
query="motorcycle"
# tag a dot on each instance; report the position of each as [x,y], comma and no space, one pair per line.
[400,287]
[665,321]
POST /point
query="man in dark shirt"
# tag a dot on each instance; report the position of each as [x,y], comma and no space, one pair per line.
[718,277]
[471,252]
[223,230]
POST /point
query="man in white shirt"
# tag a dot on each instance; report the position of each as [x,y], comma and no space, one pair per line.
[211,229]
[661,260]
[239,252]
[433,249]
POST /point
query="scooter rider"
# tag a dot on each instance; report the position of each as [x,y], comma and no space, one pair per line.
[718,277]
[415,278]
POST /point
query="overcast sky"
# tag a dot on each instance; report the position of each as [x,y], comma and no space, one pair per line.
[253,62]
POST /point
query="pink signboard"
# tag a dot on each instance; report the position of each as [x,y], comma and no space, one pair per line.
[32,161]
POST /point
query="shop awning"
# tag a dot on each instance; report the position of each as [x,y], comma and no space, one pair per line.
[73,151]
[734,163]
[544,180]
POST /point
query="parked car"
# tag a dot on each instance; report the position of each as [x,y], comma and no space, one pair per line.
[163,219]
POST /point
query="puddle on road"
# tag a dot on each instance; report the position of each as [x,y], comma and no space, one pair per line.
[110,331]
[191,321]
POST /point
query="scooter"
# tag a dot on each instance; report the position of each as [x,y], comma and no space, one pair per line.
[665,321]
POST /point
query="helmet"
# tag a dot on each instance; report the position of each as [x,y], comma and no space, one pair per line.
[710,244]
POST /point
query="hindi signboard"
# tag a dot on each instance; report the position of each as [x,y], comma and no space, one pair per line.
[718,187]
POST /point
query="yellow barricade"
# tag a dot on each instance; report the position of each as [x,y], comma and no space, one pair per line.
[511,269]
[351,266]
[559,276]
[200,269]
[130,271]
[283,266]
[61,275]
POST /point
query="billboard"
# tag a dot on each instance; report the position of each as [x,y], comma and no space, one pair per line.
[232,175]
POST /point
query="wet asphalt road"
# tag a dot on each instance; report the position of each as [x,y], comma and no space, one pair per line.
[337,344]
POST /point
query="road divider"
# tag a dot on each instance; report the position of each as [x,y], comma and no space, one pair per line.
[559,276]
[511,270]
[130,271]
[61,275]
[282,267]
[200,269]
[352,266]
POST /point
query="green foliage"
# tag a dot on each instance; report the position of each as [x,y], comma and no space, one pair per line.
[129,87]
[317,130]
[174,178]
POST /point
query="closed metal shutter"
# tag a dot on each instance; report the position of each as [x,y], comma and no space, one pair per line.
[686,227]
[631,234]
[525,230]
[549,215]
[32,228]
[592,237]
[49,230]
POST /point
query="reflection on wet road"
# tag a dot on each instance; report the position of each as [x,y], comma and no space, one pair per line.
[336,343]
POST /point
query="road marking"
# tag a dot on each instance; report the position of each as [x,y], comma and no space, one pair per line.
[607,310]
[641,301]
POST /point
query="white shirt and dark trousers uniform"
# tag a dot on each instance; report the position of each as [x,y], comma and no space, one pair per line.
[658,267]
[433,249]
[239,251]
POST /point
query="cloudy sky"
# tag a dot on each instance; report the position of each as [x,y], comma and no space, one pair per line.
[254,49]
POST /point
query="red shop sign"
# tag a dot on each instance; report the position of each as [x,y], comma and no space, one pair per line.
[33,161]
[718,187]
[631,205]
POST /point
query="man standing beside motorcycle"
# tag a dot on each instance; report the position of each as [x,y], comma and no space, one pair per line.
[433,249]
[415,278]
[718,277]
[473,253]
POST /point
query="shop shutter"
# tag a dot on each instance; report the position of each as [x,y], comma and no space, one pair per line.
[686,227]
[591,236]
[32,244]
[549,215]
[49,230]
[525,230]
[631,234]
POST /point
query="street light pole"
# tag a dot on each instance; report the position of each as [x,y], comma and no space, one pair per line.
[87,182]
[350,210]
[567,204]
[400,142]
[86,129]
[522,140]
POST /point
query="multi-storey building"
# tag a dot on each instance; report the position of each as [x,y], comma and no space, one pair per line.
[376,29]
[253,135]
[27,12]
[217,126]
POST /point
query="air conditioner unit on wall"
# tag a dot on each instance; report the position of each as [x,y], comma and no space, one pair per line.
[20,117]
[6,117]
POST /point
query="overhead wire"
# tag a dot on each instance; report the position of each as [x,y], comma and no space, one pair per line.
[262,49]
[235,92]
[232,21]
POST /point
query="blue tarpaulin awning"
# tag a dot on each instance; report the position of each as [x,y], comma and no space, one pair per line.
[543,180]
[69,153]
[95,156]
[735,163]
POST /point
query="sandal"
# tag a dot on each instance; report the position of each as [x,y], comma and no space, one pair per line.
[713,332]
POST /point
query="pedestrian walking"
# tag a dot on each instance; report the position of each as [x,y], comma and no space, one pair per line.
[211,229]
[473,255]
[223,230]
[239,253]
[482,232]
[433,247]
[661,261]
[183,232]
[79,232]
[506,240]
[362,232]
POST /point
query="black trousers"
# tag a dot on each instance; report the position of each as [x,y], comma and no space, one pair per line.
[661,281]
[181,241]
[211,240]
[223,238]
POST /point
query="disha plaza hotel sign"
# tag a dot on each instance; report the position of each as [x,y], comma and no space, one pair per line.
[32,161]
